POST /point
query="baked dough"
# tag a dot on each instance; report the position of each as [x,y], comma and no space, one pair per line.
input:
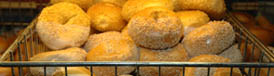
[85,4]
[70,54]
[119,3]
[113,50]
[192,19]
[175,54]
[96,39]
[63,25]
[212,38]
[106,17]
[155,28]
[198,71]
[214,8]
[132,7]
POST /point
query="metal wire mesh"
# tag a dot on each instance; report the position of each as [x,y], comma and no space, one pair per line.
[28,44]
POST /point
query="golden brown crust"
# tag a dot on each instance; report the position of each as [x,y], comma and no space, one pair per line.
[119,3]
[113,50]
[176,5]
[73,71]
[106,17]
[96,39]
[70,54]
[191,71]
[84,4]
[155,28]
[132,7]
[226,72]
[63,25]
[214,8]
[176,54]
[211,38]
[192,19]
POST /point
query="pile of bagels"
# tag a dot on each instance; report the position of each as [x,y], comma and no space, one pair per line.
[136,30]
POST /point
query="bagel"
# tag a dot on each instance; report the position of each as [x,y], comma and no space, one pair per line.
[106,17]
[212,38]
[84,4]
[176,53]
[155,28]
[119,3]
[192,19]
[96,39]
[214,8]
[63,25]
[202,71]
[73,71]
[70,54]
[132,7]
[113,50]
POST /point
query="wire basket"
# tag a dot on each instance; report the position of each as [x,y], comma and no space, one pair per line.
[28,44]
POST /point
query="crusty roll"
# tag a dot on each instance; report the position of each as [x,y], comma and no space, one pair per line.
[84,4]
[176,54]
[211,38]
[233,53]
[63,25]
[131,7]
[119,3]
[73,71]
[198,71]
[113,50]
[214,8]
[70,54]
[155,28]
[192,19]
[95,39]
[106,17]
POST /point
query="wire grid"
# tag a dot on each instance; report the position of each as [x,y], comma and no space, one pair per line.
[28,44]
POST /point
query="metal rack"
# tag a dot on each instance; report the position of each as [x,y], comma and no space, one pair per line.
[29,44]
